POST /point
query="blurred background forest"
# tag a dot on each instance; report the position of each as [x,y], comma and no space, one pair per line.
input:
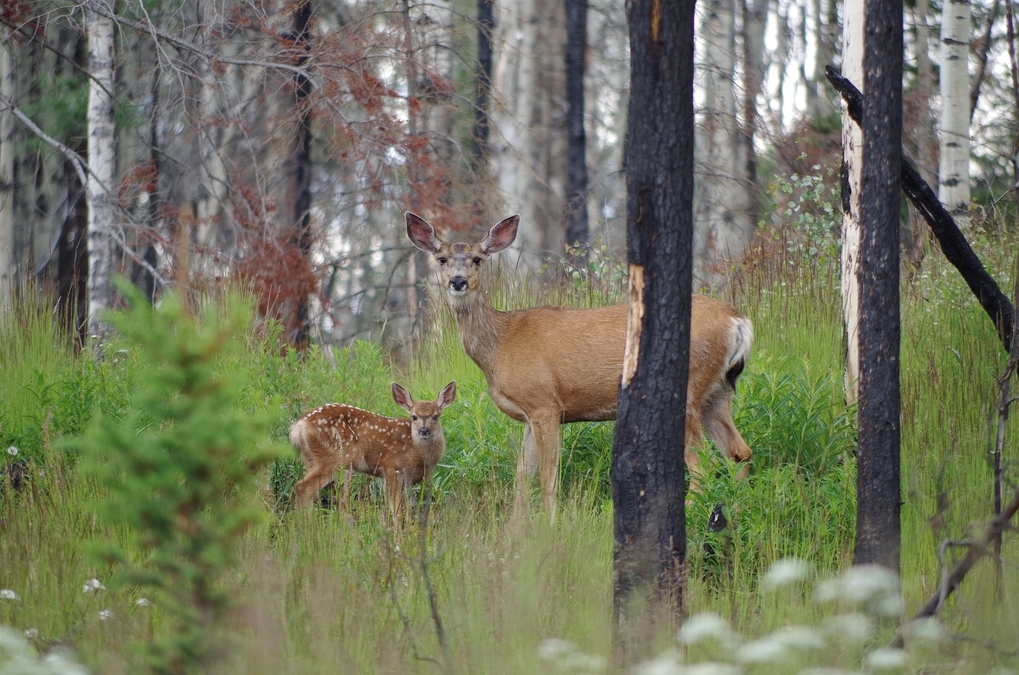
[276,144]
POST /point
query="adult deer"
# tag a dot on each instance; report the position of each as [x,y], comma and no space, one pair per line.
[403,451]
[549,365]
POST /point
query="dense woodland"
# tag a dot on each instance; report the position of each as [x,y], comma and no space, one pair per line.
[202,237]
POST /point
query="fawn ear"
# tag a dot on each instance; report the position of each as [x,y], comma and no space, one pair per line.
[446,396]
[501,235]
[402,397]
[421,233]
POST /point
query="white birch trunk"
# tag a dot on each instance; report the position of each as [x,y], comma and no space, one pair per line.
[102,212]
[528,140]
[724,225]
[852,147]
[6,182]
[953,170]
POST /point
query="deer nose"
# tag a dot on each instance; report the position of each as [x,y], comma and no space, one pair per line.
[458,283]
[424,431]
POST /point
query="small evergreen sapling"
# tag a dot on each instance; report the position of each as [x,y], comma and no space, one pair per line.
[178,466]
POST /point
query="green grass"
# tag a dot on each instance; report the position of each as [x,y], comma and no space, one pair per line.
[327,590]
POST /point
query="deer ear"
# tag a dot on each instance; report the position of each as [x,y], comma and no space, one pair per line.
[501,235]
[446,396]
[402,397]
[421,233]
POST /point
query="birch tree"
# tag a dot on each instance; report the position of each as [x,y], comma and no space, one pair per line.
[102,214]
[852,144]
[953,169]
[724,206]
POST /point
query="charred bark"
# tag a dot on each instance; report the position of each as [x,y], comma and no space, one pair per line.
[577,225]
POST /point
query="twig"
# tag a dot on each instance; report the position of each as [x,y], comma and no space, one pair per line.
[79,163]
[977,550]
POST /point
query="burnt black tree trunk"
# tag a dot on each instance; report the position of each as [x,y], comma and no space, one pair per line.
[648,470]
[140,275]
[577,227]
[486,23]
[877,479]
[302,162]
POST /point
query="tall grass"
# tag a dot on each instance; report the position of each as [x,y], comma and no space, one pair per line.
[333,589]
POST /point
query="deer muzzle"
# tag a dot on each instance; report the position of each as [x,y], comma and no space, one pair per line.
[458,284]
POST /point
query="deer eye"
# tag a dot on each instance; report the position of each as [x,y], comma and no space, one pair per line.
[442,260]
[435,417]
[478,261]
[414,417]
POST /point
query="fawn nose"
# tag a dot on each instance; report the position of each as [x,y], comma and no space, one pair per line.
[424,431]
[458,283]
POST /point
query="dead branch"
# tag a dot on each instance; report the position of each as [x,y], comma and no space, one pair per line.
[953,243]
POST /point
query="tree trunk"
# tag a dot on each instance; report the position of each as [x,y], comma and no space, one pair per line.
[824,36]
[953,172]
[877,480]
[577,224]
[486,23]
[755,21]
[981,49]
[647,455]
[6,179]
[301,158]
[724,222]
[102,215]
[852,144]
[926,139]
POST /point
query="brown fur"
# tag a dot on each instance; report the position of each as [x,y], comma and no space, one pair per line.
[402,451]
[550,365]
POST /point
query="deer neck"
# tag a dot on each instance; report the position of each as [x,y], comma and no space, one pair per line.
[481,329]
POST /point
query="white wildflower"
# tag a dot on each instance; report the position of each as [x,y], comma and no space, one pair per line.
[705,626]
[886,659]
[784,572]
[854,628]
[765,650]
[924,630]
[666,663]
[63,663]
[799,637]
[872,586]
[8,594]
[31,634]
[105,615]
[143,602]
[93,585]
[12,451]
[711,668]
[554,649]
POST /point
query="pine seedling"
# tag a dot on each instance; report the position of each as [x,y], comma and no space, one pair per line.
[178,467]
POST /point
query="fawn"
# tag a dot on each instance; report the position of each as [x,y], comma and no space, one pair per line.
[403,451]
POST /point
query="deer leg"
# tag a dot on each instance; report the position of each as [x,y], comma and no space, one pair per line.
[394,491]
[527,465]
[720,428]
[314,480]
[692,444]
[546,439]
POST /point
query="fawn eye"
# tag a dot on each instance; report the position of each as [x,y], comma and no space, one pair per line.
[414,417]
[478,261]
[435,417]
[442,260]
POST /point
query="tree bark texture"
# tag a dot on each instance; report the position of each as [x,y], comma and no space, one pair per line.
[6,180]
[102,200]
[648,469]
[852,145]
[302,164]
[953,170]
[877,480]
[486,23]
[577,224]
[724,204]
